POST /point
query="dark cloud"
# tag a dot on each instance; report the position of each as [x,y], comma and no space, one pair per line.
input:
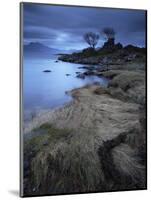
[63,26]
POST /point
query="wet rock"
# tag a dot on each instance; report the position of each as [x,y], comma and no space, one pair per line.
[47,71]
[90,67]
[81,76]
[89,73]
[109,44]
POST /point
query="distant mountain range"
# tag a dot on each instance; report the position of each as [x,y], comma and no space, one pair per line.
[37,49]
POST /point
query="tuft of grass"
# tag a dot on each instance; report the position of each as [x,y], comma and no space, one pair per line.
[47,134]
[128,86]
[121,165]
[128,79]
[42,138]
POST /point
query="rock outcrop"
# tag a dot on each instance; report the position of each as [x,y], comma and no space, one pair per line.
[109,54]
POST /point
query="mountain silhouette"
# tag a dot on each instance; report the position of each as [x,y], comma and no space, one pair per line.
[36,49]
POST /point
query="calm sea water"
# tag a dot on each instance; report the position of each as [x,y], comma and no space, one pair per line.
[48,90]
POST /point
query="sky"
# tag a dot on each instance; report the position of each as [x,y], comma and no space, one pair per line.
[63,27]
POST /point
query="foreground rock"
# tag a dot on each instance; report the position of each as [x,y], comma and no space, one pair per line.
[68,74]
[95,143]
[80,75]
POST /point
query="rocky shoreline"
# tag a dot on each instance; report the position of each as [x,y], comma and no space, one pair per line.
[114,56]
[98,61]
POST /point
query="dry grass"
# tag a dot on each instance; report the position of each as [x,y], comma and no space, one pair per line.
[66,165]
[84,163]
[130,171]
[127,85]
[128,79]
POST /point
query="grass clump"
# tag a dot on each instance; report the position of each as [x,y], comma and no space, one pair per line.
[43,135]
[128,86]
[128,80]
[41,139]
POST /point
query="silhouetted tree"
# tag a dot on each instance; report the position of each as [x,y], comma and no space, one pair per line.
[109,33]
[91,38]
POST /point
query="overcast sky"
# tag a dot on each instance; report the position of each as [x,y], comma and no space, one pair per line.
[63,27]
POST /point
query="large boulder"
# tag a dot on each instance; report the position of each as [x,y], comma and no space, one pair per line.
[109,44]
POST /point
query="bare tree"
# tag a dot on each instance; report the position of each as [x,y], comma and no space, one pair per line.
[91,38]
[109,33]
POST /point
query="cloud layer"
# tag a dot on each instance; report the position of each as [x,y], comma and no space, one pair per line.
[63,27]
